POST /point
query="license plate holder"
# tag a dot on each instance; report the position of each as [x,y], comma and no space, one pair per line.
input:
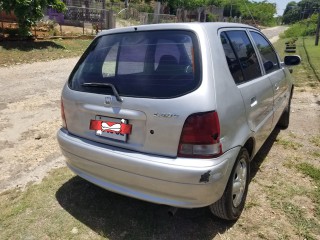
[112,135]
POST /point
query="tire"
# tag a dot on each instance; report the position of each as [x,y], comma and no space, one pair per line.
[284,120]
[231,204]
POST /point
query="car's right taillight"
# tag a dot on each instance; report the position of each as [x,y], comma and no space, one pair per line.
[63,116]
[200,136]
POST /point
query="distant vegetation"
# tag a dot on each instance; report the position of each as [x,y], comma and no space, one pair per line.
[302,10]
[302,17]
[306,27]
[29,12]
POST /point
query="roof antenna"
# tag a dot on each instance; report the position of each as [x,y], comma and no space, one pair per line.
[250,13]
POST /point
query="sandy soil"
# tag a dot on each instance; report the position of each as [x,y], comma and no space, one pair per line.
[29,120]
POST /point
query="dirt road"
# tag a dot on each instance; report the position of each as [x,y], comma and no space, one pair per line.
[29,120]
[274,32]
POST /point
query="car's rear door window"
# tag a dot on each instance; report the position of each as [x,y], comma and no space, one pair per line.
[232,60]
[240,54]
[155,64]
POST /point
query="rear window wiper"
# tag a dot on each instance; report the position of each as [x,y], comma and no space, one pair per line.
[115,92]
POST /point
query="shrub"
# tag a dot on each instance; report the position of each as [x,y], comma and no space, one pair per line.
[303,28]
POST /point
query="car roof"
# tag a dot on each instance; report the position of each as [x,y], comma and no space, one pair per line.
[212,26]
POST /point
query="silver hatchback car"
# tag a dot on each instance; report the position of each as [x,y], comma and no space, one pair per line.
[173,113]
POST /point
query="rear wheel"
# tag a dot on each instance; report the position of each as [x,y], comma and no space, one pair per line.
[231,204]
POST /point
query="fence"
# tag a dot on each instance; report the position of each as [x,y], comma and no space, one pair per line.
[90,18]
[81,17]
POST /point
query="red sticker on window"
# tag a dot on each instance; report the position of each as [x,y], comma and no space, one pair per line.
[110,127]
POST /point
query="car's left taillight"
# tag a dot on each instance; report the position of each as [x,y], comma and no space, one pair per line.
[200,136]
[63,116]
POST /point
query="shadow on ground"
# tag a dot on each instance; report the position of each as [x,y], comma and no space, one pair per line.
[263,152]
[118,217]
[29,45]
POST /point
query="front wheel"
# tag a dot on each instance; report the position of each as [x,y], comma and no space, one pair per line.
[231,204]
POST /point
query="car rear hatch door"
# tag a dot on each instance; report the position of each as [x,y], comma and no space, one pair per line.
[130,90]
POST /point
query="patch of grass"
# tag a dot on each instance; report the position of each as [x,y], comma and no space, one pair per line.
[34,213]
[251,205]
[288,144]
[65,206]
[18,52]
[314,174]
[316,154]
[304,226]
[303,74]
[315,140]
[310,171]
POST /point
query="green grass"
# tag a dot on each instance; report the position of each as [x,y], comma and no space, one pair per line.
[315,140]
[288,144]
[303,74]
[304,227]
[281,198]
[314,174]
[316,154]
[64,206]
[17,52]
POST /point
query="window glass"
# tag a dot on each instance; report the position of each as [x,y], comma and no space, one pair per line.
[166,47]
[268,55]
[232,60]
[156,64]
[109,64]
[132,54]
[246,54]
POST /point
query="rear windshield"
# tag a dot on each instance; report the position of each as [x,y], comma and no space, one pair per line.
[153,64]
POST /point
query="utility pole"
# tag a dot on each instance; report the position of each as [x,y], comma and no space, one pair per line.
[318,28]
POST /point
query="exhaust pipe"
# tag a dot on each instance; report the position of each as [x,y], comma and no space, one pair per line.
[172,211]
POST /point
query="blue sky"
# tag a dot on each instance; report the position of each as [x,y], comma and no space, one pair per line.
[281,4]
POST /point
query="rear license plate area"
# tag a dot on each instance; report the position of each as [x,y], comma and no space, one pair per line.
[111,128]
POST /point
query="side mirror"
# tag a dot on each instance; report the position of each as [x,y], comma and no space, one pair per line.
[292,60]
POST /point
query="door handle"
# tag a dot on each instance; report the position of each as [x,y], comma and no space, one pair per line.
[253,102]
[276,87]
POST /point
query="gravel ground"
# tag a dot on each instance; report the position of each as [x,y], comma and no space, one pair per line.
[29,120]
[273,33]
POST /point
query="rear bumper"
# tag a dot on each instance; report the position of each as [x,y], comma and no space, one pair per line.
[179,182]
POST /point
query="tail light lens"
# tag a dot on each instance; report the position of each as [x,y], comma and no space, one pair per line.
[63,116]
[200,137]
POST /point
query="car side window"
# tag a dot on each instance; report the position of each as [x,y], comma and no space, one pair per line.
[232,60]
[268,55]
[245,53]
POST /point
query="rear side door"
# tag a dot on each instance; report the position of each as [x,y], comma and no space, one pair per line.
[255,88]
[276,74]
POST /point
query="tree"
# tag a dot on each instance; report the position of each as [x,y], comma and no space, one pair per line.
[295,12]
[29,11]
[261,11]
